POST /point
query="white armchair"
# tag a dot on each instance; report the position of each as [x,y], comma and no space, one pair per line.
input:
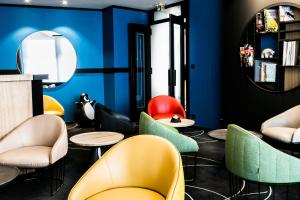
[38,142]
[284,127]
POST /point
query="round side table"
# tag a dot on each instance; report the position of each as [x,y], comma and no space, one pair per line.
[220,134]
[95,140]
[7,174]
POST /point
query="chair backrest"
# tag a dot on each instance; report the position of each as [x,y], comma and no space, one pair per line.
[248,157]
[41,130]
[51,104]
[289,118]
[145,161]
[149,126]
[107,120]
[165,104]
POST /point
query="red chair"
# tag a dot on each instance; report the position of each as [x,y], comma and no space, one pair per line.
[163,106]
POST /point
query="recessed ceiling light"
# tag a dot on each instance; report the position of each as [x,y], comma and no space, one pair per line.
[64,2]
[27,1]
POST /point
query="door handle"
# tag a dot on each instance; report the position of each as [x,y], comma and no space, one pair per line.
[174,77]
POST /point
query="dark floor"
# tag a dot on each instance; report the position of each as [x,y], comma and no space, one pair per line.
[212,178]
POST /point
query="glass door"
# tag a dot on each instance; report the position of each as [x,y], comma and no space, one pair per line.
[139,61]
[160,59]
[167,58]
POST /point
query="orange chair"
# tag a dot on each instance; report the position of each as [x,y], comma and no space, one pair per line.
[164,106]
[52,106]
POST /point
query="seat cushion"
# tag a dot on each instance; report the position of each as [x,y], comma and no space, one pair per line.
[282,134]
[27,157]
[54,112]
[166,116]
[127,193]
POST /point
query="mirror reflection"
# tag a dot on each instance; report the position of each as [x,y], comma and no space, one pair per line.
[47,53]
[269,48]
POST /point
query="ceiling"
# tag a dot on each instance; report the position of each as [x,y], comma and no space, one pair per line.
[93,4]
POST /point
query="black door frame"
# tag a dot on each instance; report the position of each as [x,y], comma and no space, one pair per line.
[132,30]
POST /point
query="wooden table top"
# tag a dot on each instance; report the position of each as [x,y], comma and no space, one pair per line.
[221,134]
[8,174]
[183,123]
[97,139]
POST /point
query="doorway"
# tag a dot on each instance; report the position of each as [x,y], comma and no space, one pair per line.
[158,62]
[167,58]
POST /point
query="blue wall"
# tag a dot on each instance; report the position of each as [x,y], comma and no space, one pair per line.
[205,45]
[117,98]
[82,28]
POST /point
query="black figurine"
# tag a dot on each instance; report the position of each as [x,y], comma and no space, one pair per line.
[85,113]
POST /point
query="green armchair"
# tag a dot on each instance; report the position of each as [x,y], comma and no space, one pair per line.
[250,158]
[184,144]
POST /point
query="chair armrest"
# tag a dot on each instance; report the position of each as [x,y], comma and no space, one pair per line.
[60,147]
[95,180]
[276,121]
[289,118]
[296,136]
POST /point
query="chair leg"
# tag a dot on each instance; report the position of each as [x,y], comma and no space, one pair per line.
[57,173]
[51,180]
[195,166]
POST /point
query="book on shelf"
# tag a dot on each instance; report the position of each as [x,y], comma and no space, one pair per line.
[271,20]
[264,71]
[260,25]
[290,53]
[247,55]
[270,71]
[286,14]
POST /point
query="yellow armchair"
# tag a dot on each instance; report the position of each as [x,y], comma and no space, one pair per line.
[142,167]
[52,106]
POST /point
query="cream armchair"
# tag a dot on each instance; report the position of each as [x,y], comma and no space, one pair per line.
[36,143]
[284,127]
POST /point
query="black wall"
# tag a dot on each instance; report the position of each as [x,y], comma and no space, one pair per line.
[244,103]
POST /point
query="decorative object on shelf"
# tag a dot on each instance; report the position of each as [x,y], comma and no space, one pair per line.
[247,55]
[290,53]
[286,14]
[267,53]
[175,119]
[264,71]
[260,25]
[85,113]
[271,20]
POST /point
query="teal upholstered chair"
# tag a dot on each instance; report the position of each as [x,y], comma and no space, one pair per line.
[184,144]
[250,158]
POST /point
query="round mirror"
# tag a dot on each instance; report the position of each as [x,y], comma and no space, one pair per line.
[269,48]
[47,53]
